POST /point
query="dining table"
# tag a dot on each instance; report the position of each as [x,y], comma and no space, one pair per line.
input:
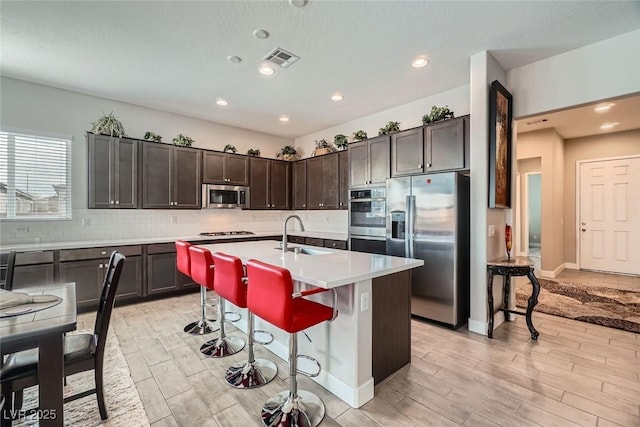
[43,326]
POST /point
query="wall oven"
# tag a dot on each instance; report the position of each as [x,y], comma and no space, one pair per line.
[224,196]
[367,220]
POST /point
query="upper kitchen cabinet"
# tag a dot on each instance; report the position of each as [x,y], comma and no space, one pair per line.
[299,177]
[113,172]
[171,177]
[343,179]
[369,162]
[407,152]
[224,168]
[270,183]
[323,182]
[446,145]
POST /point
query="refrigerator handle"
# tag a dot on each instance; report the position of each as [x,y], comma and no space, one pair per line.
[407,248]
[412,219]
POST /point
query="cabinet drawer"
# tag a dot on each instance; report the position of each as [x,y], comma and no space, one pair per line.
[295,239]
[336,244]
[313,241]
[161,248]
[35,257]
[98,253]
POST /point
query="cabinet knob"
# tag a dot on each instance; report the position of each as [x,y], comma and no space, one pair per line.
[111,202]
[175,203]
[117,202]
[304,205]
[103,252]
[428,165]
[100,266]
[420,166]
[340,203]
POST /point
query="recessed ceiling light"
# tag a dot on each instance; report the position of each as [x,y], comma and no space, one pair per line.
[607,126]
[260,34]
[603,108]
[336,97]
[222,102]
[298,3]
[266,70]
[284,118]
[234,59]
[420,62]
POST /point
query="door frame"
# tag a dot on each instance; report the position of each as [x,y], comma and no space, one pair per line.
[524,204]
[579,164]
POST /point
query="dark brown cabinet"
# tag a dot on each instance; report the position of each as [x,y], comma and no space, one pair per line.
[369,162]
[407,152]
[270,182]
[87,267]
[170,177]
[299,178]
[33,268]
[224,168]
[446,144]
[323,182]
[113,172]
[343,179]
[162,274]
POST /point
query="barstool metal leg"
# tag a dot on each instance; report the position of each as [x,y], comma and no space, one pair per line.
[299,408]
[202,326]
[223,345]
[251,373]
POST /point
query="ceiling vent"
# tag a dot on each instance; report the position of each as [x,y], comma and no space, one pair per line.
[535,122]
[281,57]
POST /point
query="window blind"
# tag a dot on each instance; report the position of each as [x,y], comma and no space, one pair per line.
[35,176]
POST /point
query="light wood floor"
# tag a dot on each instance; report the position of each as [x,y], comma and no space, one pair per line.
[595,278]
[576,374]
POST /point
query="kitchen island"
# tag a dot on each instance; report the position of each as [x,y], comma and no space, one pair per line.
[370,338]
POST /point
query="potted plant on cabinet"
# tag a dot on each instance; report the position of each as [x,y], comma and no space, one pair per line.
[153,137]
[322,147]
[230,149]
[341,141]
[108,124]
[287,152]
[183,140]
[255,152]
[390,127]
[359,135]
[436,114]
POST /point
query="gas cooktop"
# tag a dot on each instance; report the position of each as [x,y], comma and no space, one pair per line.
[226,233]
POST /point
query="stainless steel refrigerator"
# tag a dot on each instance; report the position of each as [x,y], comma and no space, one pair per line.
[428,219]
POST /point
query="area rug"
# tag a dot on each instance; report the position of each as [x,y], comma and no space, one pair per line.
[124,406]
[600,305]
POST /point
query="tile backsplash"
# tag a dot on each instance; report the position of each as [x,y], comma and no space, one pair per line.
[105,224]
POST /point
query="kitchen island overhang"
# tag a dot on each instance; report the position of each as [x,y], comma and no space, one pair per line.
[344,347]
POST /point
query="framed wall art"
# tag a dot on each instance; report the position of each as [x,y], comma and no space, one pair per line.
[500,115]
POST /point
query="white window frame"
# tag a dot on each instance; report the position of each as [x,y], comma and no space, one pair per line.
[11,201]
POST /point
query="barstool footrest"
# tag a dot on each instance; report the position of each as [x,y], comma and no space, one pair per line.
[305,373]
[232,316]
[259,331]
[284,409]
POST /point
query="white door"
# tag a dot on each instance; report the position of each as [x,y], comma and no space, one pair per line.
[610,215]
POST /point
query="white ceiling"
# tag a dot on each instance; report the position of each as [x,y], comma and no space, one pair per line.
[172,55]
[586,121]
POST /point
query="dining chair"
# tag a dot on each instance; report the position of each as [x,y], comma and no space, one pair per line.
[8,267]
[82,352]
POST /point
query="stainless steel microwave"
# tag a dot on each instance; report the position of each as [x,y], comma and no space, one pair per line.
[224,196]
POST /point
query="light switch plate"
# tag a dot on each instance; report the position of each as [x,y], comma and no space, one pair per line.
[364,301]
[492,230]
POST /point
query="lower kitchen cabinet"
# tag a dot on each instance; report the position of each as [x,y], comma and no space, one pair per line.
[162,274]
[33,268]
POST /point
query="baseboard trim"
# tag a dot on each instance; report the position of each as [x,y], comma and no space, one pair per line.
[477,326]
[571,266]
[552,274]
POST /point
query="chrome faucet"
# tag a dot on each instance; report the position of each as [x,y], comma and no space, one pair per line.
[284,231]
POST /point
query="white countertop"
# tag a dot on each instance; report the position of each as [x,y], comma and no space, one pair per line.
[330,270]
[150,240]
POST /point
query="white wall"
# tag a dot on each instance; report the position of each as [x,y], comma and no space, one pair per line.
[602,70]
[37,108]
[409,115]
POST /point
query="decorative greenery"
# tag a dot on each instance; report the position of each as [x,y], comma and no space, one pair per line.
[288,152]
[341,141]
[437,114]
[183,140]
[108,124]
[150,136]
[254,152]
[322,144]
[359,135]
[390,127]
[230,149]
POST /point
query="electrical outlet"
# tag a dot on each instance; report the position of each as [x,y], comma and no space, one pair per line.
[174,219]
[492,230]
[364,301]
[86,221]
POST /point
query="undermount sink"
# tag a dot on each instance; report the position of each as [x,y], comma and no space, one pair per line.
[305,251]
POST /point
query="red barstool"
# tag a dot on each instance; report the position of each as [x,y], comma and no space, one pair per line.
[202,271]
[230,284]
[271,297]
[183,263]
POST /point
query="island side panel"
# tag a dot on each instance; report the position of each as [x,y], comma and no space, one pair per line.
[391,328]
